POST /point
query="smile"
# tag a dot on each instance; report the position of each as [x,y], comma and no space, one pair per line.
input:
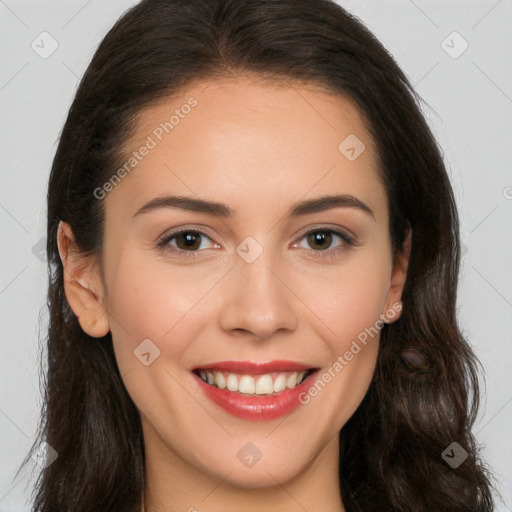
[266,384]
[254,391]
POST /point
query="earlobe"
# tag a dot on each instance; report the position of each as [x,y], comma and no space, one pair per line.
[82,284]
[393,306]
[94,322]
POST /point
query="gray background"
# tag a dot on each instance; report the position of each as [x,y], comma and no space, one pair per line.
[467,99]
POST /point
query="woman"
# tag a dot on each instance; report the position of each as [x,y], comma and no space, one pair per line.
[254,250]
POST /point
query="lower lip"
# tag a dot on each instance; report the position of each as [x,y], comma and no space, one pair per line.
[255,407]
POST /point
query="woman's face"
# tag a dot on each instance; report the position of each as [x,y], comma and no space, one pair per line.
[268,283]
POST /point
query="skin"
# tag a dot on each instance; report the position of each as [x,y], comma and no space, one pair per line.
[259,148]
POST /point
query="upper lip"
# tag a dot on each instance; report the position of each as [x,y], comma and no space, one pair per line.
[255,367]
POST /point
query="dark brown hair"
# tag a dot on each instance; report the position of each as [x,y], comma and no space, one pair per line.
[390,449]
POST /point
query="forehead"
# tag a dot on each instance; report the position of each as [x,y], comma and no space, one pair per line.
[229,138]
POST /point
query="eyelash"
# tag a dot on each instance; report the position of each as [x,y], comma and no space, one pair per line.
[324,254]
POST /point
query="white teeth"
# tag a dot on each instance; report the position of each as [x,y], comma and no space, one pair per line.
[291,381]
[280,384]
[232,382]
[220,381]
[249,385]
[265,385]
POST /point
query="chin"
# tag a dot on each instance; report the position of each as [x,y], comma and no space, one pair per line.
[277,465]
[261,475]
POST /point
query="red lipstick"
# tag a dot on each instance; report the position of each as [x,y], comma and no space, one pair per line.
[256,368]
[255,407]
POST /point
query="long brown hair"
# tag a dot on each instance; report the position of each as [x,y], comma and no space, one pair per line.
[391,448]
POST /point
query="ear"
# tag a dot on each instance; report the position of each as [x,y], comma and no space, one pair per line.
[393,304]
[83,285]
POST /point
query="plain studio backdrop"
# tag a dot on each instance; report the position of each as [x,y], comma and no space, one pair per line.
[458,58]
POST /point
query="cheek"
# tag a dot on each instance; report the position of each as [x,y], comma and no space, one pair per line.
[167,307]
[349,299]
[347,307]
[152,301]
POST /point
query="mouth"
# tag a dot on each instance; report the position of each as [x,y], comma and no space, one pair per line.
[255,391]
[254,385]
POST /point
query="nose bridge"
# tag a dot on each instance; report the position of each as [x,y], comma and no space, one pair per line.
[257,300]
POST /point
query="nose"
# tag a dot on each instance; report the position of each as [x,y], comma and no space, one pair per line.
[258,300]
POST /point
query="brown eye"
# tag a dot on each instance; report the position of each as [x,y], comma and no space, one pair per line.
[319,239]
[326,244]
[188,240]
[323,239]
[185,241]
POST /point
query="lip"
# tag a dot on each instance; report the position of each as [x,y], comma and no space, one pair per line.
[255,407]
[256,367]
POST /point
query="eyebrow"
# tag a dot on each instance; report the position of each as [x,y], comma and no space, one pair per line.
[221,210]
